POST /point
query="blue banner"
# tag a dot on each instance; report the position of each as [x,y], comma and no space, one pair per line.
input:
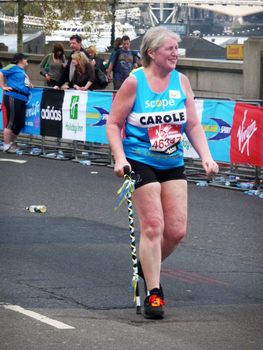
[98,108]
[1,111]
[217,119]
[33,111]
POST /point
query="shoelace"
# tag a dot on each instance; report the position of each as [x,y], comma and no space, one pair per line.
[156,301]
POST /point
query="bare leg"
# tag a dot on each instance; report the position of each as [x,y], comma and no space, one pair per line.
[149,209]
[174,203]
[9,136]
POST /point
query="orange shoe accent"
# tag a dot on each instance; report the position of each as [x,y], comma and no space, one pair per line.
[156,301]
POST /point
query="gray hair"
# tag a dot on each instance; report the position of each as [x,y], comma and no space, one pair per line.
[153,39]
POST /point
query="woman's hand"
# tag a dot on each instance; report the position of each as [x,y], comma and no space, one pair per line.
[47,76]
[6,88]
[119,167]
[210,166]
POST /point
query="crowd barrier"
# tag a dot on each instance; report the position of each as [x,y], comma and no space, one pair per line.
[74,122]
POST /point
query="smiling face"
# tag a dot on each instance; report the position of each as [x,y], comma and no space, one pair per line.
[166,55]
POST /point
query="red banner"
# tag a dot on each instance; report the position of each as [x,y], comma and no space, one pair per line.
[247,135]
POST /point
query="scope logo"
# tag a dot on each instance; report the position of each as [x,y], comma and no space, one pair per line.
[74,107]
[159,103]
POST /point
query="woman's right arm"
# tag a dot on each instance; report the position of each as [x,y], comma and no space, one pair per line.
[121,107]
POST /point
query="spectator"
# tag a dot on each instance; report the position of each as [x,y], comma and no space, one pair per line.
[17,90]
[75,42]
[53,64]
[82,73]
[116,46]
[100,70]
[122,63]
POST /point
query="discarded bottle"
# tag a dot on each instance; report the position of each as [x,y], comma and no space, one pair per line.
[219,179]
[60,155]
[245,185]
[51,155]
[37,209]
[19,152]
[202,184]
[85,162]
[35,151]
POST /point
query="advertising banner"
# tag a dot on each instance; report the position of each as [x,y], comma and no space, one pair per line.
[51,113]
[1,111]
[74,115]
[32,123]
[247,135]
[98,108]
[217,120]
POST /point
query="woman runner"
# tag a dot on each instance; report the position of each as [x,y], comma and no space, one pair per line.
[155,106]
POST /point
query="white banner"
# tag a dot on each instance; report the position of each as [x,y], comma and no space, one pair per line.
[74,115]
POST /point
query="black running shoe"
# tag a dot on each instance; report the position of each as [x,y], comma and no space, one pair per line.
[154,305]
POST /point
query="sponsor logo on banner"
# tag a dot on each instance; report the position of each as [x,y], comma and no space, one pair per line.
[217,118]
[247,135]
[222,130]
[96,116]
[74,115]
[51,113]
[32,122]
[73,109]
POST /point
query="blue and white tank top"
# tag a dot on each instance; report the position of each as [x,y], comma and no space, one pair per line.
[154,127]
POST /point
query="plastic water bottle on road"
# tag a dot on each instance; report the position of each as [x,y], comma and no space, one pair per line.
[37,209]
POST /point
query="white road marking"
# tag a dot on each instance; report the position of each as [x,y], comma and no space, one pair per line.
[13,160]
[36,316]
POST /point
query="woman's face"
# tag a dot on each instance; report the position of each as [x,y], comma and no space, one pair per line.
[75,62]
[166,55]
[91,54]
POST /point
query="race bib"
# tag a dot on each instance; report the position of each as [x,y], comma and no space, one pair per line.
[165,138]
[27,81]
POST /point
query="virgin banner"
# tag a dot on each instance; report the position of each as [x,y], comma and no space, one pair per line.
[234,131]
[247,135]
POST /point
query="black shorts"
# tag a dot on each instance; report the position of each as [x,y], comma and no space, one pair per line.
[16,113]
[145,174]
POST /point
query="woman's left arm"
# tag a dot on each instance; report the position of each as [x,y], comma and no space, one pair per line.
[195,132]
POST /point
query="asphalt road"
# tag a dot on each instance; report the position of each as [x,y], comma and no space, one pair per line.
[73,265]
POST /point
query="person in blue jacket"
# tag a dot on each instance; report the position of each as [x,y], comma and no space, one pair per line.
[16,85]
[153,108]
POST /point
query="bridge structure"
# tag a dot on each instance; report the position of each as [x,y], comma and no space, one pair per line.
[168,10]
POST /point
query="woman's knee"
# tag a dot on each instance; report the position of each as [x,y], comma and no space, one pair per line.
[152,228]
[175,234]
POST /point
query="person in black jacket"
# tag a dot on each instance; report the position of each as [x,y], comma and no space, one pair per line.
[82,73]
[75,42]
[97,62]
